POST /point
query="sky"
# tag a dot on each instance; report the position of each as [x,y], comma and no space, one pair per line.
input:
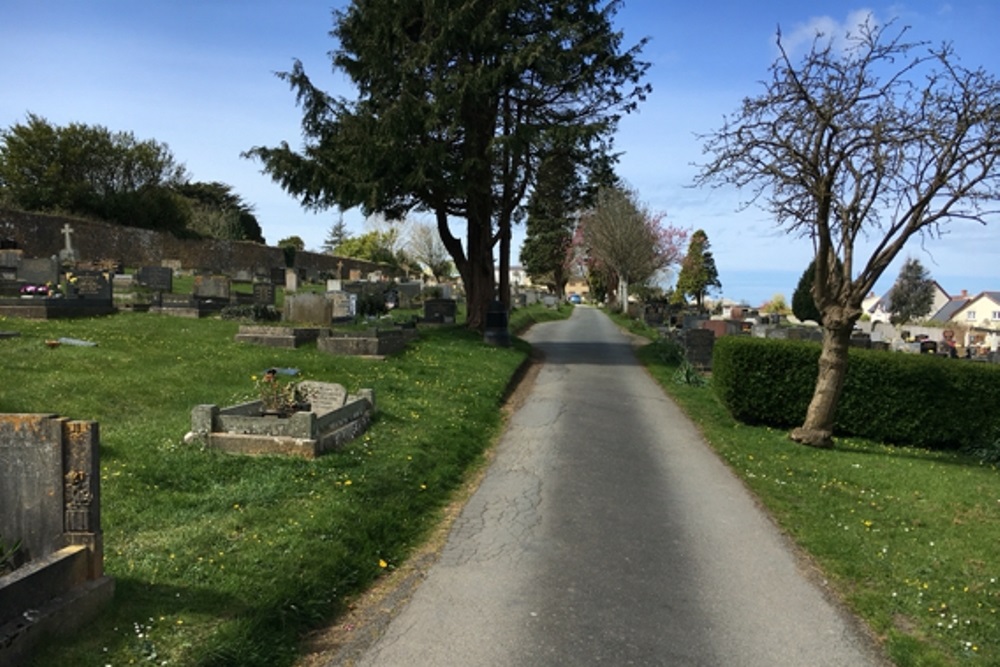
[199,76]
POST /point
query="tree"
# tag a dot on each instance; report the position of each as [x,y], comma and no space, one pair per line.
[627,241]
[803,305]
[698,274]
[552,210]
[884,139]
[425,247]
[89,170]
[291,246]
[455,100]
[218,212]
[372,246]
[912,295]
[337,235]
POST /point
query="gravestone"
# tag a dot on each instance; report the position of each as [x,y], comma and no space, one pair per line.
[440,310]
[344,305]
[212,287]
[322,396]
[263,294]
[308,307]
[50,495]
[68,254]
[91,285]
[156,278]
[277,276]
[39,271]
[10,263]
[698,347]
[291,280]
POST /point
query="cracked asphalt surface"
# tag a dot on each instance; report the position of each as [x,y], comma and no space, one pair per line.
[605,532]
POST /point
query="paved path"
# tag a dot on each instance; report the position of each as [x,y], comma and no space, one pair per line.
[607,533]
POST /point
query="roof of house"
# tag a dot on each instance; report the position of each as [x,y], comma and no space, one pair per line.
[949,309]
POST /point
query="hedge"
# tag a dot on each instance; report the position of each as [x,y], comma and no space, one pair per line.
[898,398]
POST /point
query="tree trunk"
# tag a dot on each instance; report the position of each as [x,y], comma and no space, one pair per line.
[817,430]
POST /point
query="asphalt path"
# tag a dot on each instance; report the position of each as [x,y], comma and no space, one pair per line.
[606,532]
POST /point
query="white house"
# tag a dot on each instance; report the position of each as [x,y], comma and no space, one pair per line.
[879,309]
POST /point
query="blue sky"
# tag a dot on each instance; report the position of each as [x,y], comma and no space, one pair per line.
[198,76]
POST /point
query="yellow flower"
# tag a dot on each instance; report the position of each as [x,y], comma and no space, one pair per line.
[382,563]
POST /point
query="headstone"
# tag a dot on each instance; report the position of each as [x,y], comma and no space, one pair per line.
[10,263]
[263,294]
[40,271]
[92,285]
[156,278]
[212,287]
[334,285]
[497,331]
[307,307]
[51,501]
[440,310]
[277,276]
[243,276]
[67,255]
[291,280]
[344,304]
[322,396]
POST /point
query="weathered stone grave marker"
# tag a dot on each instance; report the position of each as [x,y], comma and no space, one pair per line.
[50,495]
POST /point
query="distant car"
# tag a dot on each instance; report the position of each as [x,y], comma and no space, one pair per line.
[575,299]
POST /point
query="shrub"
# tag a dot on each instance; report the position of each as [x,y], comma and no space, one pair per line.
[900,398]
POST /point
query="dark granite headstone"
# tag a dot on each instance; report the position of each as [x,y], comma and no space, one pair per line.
[39,271]
[263,294]
[91,285]
[157,278]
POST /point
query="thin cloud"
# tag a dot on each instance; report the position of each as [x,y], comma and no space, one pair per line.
[826,29]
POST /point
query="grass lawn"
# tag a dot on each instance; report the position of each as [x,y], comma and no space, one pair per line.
[908,538]
[225,560]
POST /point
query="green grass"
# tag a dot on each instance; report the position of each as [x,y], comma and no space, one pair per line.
[908,538]
[224,560]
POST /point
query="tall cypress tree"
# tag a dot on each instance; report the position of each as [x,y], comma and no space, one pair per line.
[552,209]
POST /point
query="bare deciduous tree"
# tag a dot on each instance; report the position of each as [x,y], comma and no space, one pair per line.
[882,140]
[629,240]
[425,246]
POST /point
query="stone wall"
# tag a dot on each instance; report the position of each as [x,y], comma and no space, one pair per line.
[39,235]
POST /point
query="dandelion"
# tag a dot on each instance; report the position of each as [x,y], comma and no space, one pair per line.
[382,563]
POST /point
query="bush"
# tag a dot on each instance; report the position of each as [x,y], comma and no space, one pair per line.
[899,398]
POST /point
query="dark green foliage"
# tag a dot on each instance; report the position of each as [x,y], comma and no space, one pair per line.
[698,274]
[764,381]
[803,304]
[552,211]
[371,304]
[912,295]
[897,398]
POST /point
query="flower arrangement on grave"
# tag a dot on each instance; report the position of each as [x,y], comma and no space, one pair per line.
[276,397]
[42,291]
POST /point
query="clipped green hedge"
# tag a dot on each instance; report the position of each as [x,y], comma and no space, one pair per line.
[898,398]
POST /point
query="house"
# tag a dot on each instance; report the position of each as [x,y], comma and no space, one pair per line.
[980,317]
[879,309]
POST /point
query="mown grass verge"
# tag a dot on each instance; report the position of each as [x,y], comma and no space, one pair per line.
[224,560]
[907,537]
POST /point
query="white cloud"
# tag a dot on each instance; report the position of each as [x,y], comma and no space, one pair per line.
[825,29]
